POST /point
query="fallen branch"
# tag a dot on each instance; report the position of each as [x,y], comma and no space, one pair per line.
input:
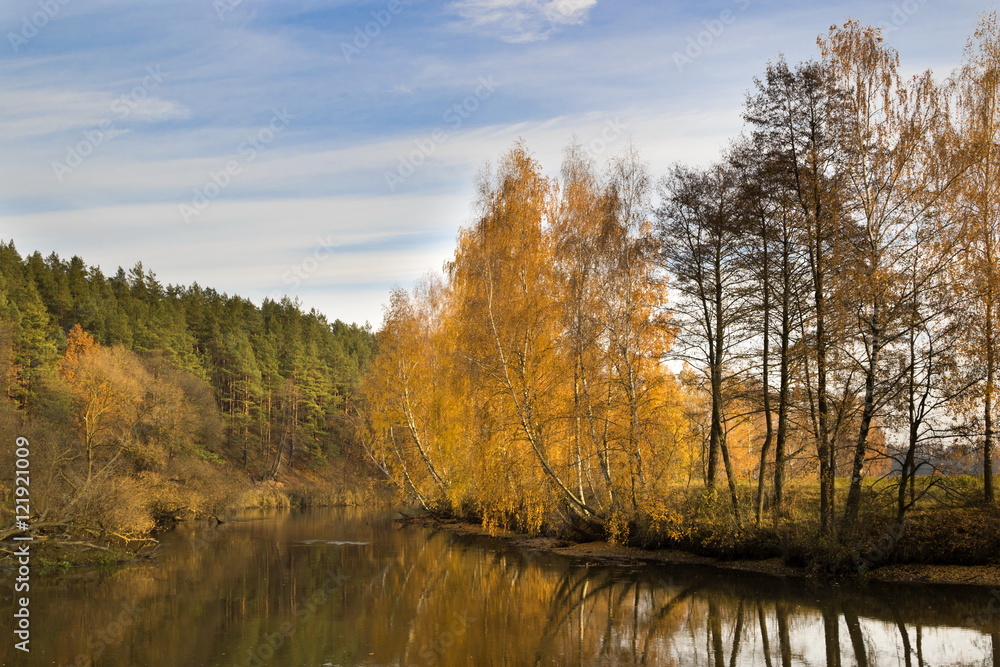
[88,545]
[134,539]
[10,532]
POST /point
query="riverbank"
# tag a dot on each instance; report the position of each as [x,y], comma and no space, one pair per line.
[338,484]
[605,553]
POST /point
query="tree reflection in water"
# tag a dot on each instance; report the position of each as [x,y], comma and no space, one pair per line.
[351,587]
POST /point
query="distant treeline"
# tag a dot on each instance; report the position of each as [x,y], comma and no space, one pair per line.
[829,292]
[122,380]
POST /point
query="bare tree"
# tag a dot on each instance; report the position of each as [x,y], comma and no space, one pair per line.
[699,233]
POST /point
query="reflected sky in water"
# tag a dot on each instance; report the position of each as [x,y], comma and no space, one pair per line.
[348,586]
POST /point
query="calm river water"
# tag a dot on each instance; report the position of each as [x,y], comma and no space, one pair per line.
[351,587]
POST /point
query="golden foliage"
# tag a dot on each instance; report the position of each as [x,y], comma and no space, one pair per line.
[526,387]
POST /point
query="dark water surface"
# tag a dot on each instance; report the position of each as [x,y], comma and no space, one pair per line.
[351,587]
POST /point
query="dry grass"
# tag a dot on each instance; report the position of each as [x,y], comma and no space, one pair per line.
[948,524]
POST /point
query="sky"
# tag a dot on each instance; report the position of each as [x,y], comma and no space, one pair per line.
[327,150]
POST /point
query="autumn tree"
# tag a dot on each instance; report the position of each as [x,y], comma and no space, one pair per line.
[578,225]
[699,234]
[932,383]
[887,140]
[977,91]
[106,398]
[638,333]
[795,115]
[505,286]
[408,390]
[528,382]
[774,264]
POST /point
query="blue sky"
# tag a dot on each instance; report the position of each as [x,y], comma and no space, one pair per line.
[327,149]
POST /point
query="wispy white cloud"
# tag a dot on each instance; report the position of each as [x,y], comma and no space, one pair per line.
[522,20]
[29,111]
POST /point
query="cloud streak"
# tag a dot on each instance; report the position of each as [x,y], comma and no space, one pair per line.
[519,21]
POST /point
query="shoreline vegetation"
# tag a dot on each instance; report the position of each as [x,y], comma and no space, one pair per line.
[790,353]
[765,559]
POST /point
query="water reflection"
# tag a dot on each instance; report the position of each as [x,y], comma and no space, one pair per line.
[349,587]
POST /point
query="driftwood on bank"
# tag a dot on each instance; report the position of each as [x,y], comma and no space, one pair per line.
[67,538]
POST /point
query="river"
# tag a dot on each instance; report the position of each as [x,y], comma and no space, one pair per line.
[348,586]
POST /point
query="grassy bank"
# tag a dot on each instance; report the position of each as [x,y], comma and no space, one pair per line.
[947,525]
[116,532]
[606,553]
[342,483]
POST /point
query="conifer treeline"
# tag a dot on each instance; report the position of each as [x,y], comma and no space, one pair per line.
[281,379]
[831,285]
